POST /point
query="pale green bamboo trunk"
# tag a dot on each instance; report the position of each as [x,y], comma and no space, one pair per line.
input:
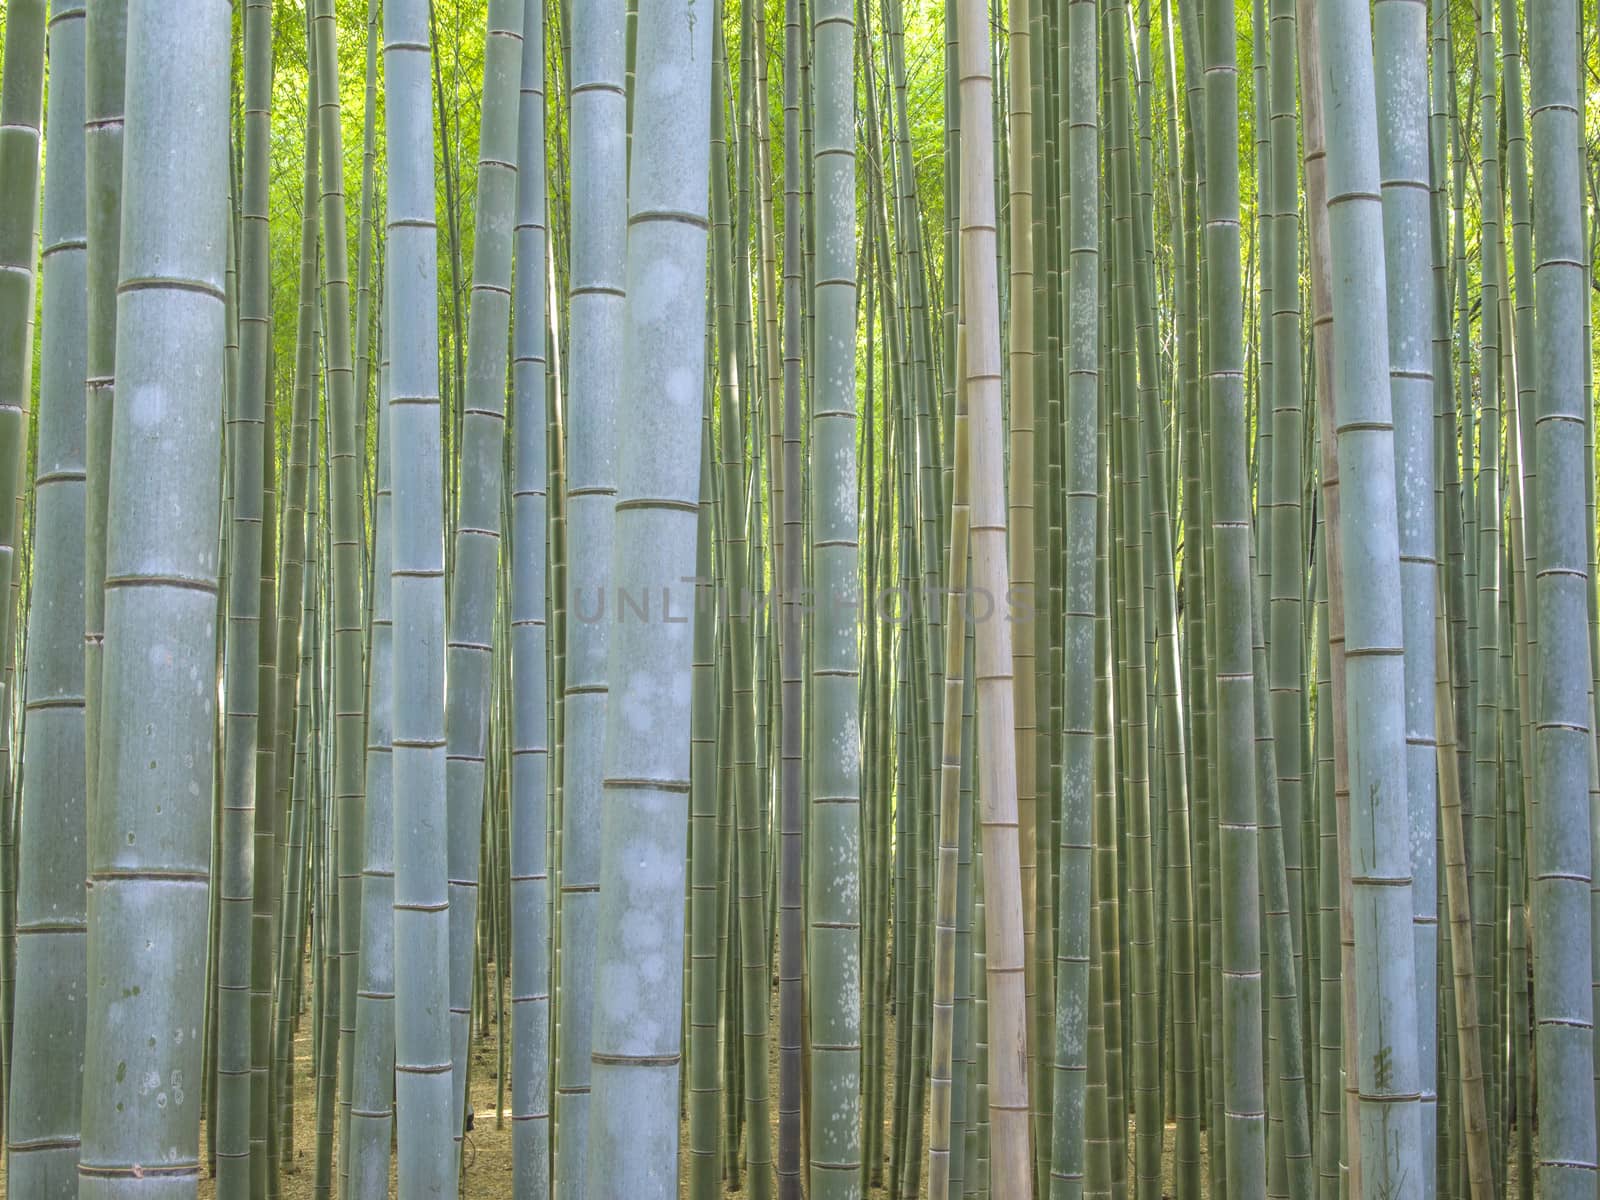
[366,1167]
[790,577]
[47,1046]
[1380,833]
[427,1165]
[1080,518]
[302,440]
[149,851]
[1242,1087]
[1564,709]
[345,576]
[638,1002]
[282,925]
[21,113]
[106,48]
[1400,34]
[941,1176]
[530,725]
[834,876]
[598,223]
[246,437]
[477,532]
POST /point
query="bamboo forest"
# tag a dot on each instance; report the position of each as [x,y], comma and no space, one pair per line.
[852,599]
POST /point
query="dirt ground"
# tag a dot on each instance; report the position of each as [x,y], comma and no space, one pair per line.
[488,1146]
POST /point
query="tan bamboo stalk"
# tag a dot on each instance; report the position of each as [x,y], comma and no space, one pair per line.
[1010,1167]
[1020,517]
[944,929]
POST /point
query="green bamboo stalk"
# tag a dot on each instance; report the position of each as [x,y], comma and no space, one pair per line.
[47,1047]
[325,946]
[1187,1087]
[787,532]
[470,648]
[1330,1030]
[735,517]
[1478,1168]
[941,1090]
[964,1171]
[21,114]
[246,432]
[633,1134]
[704,901]
[344,511]
[599,214]
[1285,640]
[1400,37]
[1081,516]
[1523,381]
[1288,1085]
[1336,819]
[1244,1095]
[1564,747]
[294,924]
[366,1170]
[106,34]
[427,1165]
[290,603]
[530,724]
[366,312]
[1485,790]
[264,898]
[1104,961]
[1380,832]
[149,852]
[834,867]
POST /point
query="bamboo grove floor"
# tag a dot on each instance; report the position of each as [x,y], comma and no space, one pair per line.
[488,1149]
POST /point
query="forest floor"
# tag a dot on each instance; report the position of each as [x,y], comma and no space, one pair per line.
[488,1145]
